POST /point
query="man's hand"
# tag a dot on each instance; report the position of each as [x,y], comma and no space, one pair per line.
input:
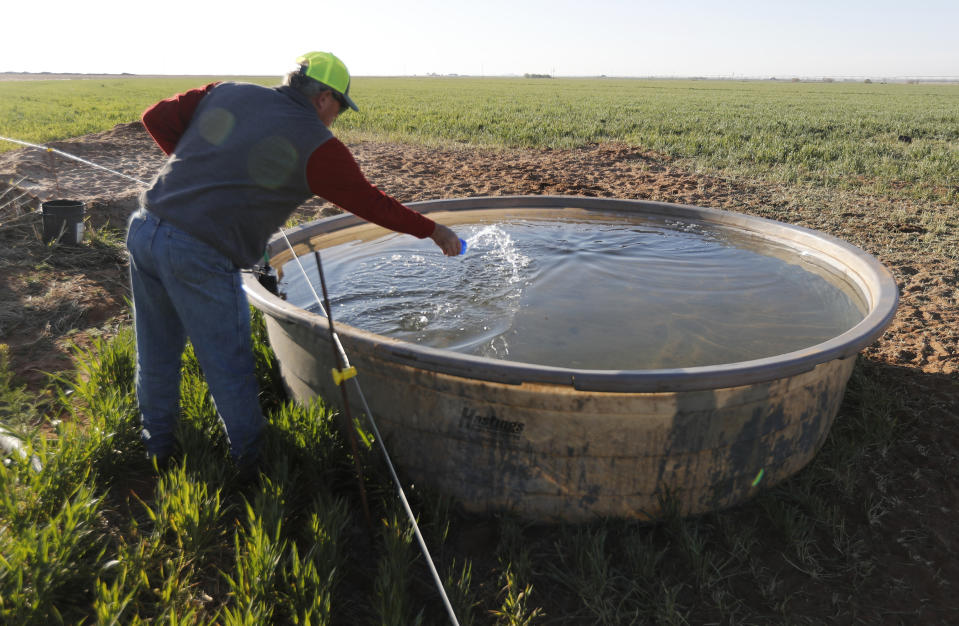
[446,239]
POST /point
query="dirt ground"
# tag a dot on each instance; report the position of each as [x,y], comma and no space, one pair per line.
[53,297]
[924,335]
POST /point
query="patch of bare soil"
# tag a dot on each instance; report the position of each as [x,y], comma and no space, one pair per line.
[52,296]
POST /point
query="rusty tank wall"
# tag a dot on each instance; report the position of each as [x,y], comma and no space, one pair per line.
[547,451]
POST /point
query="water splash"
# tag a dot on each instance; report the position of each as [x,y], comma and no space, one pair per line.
[401,287]
[500,252]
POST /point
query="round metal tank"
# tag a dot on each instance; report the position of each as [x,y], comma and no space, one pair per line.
[550,443]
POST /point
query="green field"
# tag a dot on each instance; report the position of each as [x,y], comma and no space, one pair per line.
[843,135]
[90,533]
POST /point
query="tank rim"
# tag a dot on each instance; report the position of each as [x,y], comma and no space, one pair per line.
[875,281]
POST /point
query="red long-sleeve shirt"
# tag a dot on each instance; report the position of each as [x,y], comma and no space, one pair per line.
[331,171]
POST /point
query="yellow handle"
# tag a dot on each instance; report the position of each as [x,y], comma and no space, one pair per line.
[341,375]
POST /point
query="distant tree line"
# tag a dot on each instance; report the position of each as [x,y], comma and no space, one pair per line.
[536,76]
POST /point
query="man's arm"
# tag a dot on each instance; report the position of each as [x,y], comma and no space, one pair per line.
[167,120]
[334,174]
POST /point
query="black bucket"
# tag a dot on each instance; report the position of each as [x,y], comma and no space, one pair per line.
[63,221]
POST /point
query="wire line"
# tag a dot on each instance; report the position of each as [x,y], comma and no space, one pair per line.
[379,441]
[72,156]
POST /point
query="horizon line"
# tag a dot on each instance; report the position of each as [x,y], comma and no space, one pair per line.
[812,77]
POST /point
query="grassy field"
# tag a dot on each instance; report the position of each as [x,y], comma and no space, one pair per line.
[827,133]
[881,138]
[44,110]
[89,533]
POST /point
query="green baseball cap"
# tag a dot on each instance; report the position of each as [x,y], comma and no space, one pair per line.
[326,68]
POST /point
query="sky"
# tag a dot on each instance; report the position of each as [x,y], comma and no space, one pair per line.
[682,38]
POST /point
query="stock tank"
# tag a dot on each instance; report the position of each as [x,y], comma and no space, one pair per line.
[561,438]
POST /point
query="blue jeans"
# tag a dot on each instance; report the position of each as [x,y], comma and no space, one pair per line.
[183,288]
